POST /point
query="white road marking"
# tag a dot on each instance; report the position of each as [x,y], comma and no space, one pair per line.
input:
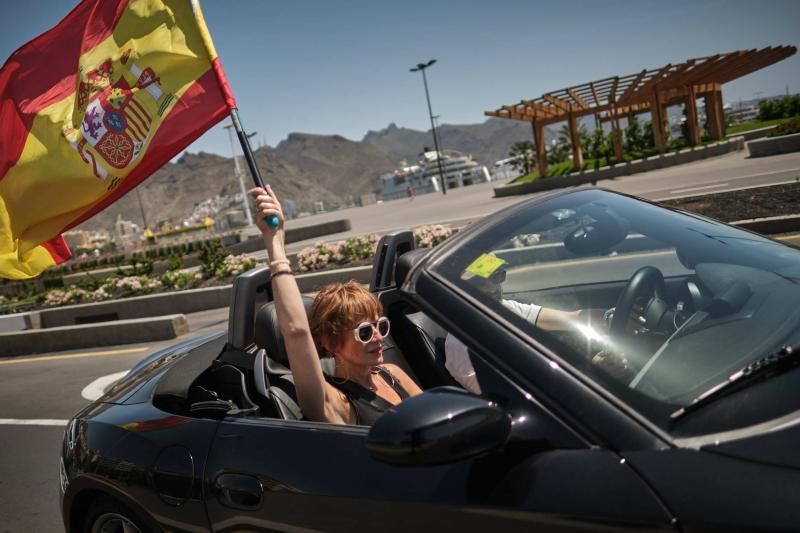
[36,422]
[19,360]
[678,191]
[771,184]
[96,388]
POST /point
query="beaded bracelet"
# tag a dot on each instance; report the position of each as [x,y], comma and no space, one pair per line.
[280,273]
[277,262]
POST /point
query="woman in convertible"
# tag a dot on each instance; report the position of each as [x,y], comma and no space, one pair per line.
[345,323]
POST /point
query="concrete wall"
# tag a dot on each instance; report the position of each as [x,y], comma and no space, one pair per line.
[137,307]
[92,335]
[17,322]
[623,169]
[774,145]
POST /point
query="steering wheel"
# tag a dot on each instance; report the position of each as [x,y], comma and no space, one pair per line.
[647,281]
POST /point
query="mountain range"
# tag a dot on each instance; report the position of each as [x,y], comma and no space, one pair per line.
[306,168]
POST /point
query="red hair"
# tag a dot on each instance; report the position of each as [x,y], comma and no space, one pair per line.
[338,308]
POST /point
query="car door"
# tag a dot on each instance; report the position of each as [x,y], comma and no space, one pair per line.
[268,474]
[280,475]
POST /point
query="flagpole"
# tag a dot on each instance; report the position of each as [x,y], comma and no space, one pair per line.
[272,220]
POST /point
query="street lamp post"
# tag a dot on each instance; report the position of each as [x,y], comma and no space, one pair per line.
[421,68]
[239,176]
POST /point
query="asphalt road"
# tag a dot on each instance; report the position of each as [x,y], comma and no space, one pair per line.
[46,390]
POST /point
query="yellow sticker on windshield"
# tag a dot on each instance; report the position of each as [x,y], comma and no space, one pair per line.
[485,265]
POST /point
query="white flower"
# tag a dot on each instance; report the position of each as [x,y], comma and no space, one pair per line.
[431,235]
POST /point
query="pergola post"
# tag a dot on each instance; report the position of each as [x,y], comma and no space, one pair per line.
[541,152]
[616,134]
[575,141]
[716,123]
[691,116]
[657,120]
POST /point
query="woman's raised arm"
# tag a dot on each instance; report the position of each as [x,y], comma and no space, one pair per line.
[292,319]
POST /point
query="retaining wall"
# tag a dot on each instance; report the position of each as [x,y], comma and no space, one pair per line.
[774,145]
[93,335]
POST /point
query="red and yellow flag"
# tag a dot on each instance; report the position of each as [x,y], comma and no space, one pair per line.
[90,109]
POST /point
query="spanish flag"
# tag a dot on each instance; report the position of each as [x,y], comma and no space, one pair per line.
[90,109]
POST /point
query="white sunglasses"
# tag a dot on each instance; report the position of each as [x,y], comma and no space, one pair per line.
[366,330]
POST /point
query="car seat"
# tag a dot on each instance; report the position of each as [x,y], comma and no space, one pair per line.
[418,335]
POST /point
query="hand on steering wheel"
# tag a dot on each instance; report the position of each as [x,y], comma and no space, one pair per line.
[647,281]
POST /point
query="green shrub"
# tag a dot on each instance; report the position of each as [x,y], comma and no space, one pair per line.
[181,279]
[212,256]
[175,262]
[787,128]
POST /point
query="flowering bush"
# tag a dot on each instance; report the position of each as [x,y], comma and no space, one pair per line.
[181,279]
[3,300]
[133,285]
[233,265]
[358,248]
[100,294]
[342,252]
[430,235]
[318,256]
[71,295]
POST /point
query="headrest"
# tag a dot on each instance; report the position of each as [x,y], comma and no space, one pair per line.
[268,334]
[404,264]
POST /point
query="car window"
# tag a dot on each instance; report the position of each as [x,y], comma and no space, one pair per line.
[654,305]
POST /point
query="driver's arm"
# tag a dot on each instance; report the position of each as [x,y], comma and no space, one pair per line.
[550,319]
[557,320]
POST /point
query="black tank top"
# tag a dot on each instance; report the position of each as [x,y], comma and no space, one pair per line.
[368,405]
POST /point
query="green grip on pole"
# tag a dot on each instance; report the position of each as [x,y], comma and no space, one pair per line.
[272,221]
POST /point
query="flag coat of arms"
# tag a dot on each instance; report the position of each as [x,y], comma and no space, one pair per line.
[93,107]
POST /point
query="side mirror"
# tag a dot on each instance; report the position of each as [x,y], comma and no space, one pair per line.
[441,425]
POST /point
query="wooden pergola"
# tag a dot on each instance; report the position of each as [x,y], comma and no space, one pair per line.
[648,91]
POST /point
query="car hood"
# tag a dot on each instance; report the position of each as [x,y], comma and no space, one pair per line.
[151,366]
[776,445]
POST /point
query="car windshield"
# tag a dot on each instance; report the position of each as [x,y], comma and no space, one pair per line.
[656,306]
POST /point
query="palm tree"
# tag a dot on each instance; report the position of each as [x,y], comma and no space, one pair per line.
[522,156]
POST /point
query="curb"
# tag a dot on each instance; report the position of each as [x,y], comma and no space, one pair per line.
[770,225]
[93,335]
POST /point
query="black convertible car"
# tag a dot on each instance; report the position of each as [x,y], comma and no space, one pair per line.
[675,405]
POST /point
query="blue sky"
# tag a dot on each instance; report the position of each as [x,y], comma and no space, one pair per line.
[341,67]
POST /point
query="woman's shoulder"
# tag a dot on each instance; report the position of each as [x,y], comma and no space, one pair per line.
[400,375]
[393,370]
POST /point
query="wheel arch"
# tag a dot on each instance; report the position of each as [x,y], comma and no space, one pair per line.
[79,502]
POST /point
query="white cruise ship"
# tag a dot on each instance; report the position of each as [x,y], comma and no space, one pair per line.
[459,170]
